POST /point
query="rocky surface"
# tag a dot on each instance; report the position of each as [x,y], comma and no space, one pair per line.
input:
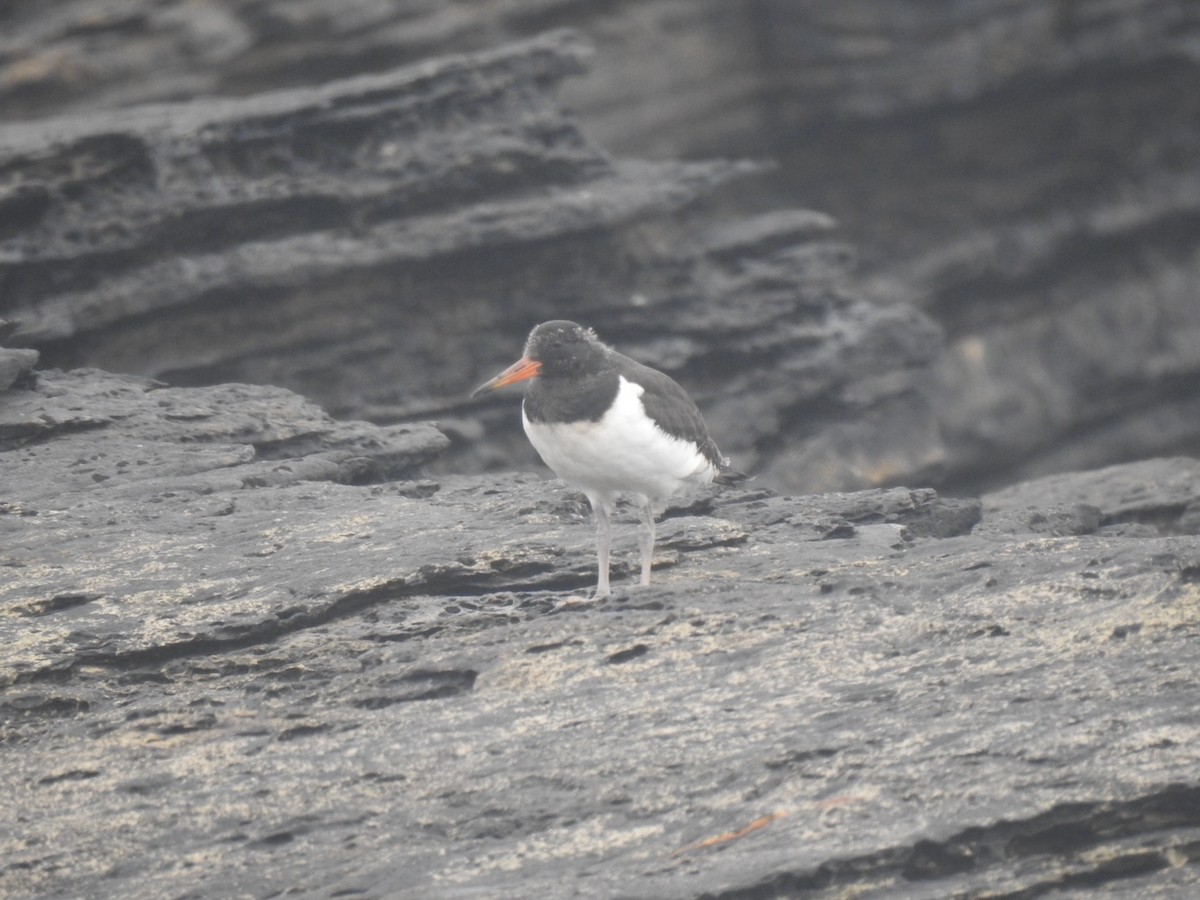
[250,650]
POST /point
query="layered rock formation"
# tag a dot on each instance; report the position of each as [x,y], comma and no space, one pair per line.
[381,243]
[1024,172]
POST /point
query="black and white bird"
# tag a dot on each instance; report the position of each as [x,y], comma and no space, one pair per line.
[609,426]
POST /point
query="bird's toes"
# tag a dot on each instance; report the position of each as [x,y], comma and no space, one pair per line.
[575,600]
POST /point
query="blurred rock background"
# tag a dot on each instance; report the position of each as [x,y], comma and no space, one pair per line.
[949,243]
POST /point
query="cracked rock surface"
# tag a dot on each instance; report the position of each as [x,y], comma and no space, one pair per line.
[249,650]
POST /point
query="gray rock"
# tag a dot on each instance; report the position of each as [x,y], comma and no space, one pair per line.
[14,364]
[249,649]
[238,663]
[1052,521]
[380,243]
[1157,492]
[1022,172]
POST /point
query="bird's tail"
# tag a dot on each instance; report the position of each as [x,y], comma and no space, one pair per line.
[727,474]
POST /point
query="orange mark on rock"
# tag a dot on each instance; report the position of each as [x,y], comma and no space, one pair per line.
[757,824]
[835,802]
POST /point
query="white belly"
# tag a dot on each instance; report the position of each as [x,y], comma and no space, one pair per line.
[625,451]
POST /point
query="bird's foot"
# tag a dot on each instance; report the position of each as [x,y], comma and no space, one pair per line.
[582,600]
[573,602]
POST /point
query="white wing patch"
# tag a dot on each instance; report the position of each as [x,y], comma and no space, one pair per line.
[626,451]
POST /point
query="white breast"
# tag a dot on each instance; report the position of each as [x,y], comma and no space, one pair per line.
[625,451]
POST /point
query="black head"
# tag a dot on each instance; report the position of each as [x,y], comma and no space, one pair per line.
[555,350]
[565,349]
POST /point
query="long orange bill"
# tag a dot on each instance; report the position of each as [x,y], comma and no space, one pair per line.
[522,369]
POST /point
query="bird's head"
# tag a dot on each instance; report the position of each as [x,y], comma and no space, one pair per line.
[557,349]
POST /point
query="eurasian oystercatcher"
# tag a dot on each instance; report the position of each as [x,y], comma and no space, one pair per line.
[609,425]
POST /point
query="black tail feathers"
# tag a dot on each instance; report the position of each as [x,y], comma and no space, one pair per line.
[726,474]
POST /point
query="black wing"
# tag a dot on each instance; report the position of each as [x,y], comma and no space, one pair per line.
[670,407]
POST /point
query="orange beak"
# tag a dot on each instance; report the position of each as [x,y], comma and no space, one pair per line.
[522,369]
